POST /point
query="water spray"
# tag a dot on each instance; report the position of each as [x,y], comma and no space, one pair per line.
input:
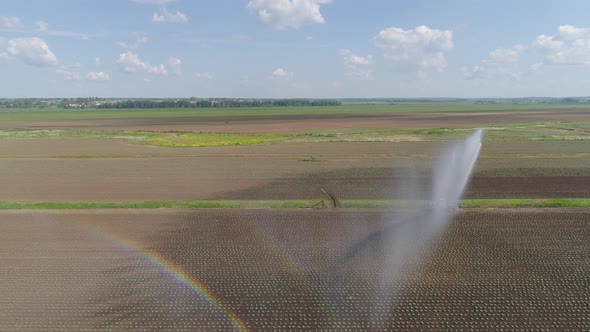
[404,239]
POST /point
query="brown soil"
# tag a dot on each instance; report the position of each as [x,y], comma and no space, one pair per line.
[29,170]
[520,270]
[383,184]
[303,122]
[114,147]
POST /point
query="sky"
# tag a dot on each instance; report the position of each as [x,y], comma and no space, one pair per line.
[294,48]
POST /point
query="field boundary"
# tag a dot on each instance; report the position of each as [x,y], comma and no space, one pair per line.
[292,204]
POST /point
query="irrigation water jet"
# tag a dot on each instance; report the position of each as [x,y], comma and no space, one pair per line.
[404,240]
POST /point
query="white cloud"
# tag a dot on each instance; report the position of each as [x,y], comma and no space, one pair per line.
[67,74]
[284,14]
[14,24]
[41,26]
[421,47]
[175,65]
[357,65]
[571,46]
[359,60]
[3,56]
[97,76]
[167,17]
[11,22]
[548,43]
[570,31]
[130,63]
[280,73]
[97,61]
[136,43]
[152,2]
[204,76]
[33,51]
[507,54]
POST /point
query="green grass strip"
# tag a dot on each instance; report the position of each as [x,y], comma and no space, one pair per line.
[28,114]
[293,204]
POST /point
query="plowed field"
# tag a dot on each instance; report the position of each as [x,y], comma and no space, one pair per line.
[220,270]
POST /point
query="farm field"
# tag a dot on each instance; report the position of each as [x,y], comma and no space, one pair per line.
[180,220]
[252,270]
[90,155]
[291,120]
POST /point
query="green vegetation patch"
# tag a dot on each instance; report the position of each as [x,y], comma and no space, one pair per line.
[537,131]
[155,138]
[207,139]
[533,131]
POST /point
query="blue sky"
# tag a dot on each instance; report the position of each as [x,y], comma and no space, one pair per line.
[294,48]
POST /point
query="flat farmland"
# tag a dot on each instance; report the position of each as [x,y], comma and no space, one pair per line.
[112,169]
[275,122]
[262,270]
[264,267]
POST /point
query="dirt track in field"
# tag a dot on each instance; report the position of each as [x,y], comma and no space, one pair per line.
[284,270]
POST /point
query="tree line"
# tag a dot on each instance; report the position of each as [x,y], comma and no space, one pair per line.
[218,103]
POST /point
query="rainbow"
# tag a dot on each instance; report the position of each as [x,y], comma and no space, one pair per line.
[178,274]
[292,261]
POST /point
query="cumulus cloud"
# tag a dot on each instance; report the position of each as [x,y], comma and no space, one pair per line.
[11,22]
[284,14]
[357,65]
[98,76]
[130,63]
[166,17]
[544,42]
[507,54]
[570,46]
[204,76]
[33,51]
[421,47]
[41,26]
[152,2]
[136,43]
[280,73]
[570,31]
[175,65]
[15,24]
